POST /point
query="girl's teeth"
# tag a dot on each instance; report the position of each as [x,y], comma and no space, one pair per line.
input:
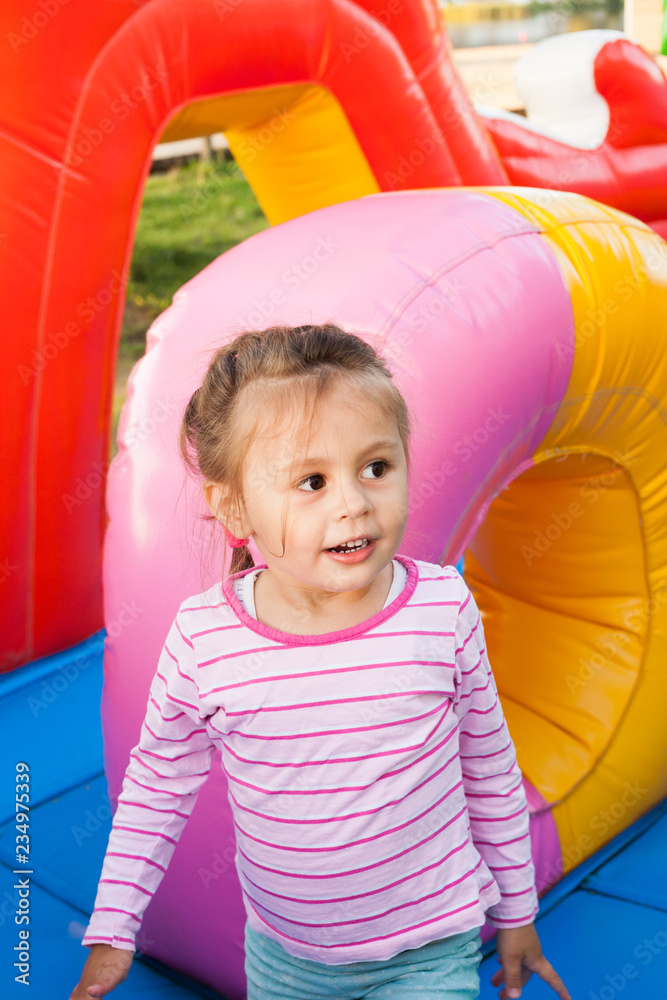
[352,547]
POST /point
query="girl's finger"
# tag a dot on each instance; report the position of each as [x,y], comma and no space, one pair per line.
[551,977]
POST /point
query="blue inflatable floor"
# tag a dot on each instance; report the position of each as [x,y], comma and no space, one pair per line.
[603,927]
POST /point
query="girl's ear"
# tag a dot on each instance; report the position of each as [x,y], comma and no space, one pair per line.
[216,500]
[218,503]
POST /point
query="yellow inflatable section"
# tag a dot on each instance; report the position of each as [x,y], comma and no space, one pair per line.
[294,144]
[570,564]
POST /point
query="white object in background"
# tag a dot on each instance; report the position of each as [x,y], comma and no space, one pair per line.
[555,80]
[188,147]
[490,111]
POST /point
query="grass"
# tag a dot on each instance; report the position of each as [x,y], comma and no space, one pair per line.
[189,216]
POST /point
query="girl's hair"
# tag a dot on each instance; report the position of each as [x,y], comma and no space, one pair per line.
[262,373]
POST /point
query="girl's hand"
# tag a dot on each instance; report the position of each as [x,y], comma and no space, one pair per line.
[105,968]
[520,955]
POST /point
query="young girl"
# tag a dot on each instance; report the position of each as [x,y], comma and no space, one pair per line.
[377,799]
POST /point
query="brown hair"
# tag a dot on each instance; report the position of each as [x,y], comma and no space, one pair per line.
[216,429]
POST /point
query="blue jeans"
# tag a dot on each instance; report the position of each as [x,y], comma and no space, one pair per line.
[440,970]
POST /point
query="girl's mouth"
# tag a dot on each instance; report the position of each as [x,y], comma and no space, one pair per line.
[356,552]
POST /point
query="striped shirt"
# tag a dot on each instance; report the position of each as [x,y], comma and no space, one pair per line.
[376,795]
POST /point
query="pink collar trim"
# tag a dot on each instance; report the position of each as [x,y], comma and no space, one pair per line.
[327,637]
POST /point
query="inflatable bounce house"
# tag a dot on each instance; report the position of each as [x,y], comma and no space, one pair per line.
[513,273]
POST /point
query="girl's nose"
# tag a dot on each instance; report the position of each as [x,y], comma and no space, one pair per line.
[352,500]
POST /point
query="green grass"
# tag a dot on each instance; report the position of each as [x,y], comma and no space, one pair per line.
[189,216]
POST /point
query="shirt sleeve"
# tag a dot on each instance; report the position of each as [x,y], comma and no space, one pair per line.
[492,780]
[167,768]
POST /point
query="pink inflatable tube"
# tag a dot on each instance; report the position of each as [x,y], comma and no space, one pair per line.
[467,302]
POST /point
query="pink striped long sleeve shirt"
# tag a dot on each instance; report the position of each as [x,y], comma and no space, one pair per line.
[377,799]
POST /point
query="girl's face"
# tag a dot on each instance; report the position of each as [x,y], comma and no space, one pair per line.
[348,482]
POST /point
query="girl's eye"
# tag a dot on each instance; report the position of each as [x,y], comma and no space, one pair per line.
[383,467]
[308,479]
[381,464]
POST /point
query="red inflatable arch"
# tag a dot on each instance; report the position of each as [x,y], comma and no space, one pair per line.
[322,101]
[77,139]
